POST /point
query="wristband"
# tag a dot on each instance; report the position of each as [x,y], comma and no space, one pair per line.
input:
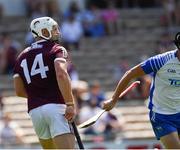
[70,104]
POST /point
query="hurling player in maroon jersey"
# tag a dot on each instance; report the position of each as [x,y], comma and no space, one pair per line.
[40,75]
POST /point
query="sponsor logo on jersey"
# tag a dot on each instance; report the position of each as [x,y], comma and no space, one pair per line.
[174,82]
[36,46]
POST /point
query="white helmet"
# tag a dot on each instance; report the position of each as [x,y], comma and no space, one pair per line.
[38,24]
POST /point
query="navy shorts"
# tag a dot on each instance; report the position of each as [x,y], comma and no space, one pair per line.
[164,124]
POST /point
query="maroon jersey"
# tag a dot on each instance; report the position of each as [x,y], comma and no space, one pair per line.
[35,65]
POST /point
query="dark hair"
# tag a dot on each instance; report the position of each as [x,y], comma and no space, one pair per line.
[177,40]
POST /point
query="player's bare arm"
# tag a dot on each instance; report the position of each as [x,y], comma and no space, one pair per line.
[65,87]
[133,73]
[19,86]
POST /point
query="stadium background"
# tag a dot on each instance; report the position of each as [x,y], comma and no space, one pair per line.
[114,36]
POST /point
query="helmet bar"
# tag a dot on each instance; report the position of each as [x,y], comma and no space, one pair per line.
[42,23]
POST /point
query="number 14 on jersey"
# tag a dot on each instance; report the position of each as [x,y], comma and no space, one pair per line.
[38,67]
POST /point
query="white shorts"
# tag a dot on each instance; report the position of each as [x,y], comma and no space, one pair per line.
[49,121]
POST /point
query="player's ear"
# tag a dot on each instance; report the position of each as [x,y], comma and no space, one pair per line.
[45,32]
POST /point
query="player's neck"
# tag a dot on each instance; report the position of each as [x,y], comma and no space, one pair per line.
[38,39]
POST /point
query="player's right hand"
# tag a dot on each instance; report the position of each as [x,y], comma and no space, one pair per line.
[70,113]
[108,104]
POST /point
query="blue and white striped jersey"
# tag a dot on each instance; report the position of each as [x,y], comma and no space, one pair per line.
[165,89]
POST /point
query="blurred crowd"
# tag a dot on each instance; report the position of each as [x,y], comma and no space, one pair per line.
[171,14]
[10,132]
[94,21]
[89,22]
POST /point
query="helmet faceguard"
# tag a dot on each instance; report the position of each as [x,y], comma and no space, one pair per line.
[39,25]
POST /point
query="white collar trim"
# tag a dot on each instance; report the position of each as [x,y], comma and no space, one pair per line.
[40,41]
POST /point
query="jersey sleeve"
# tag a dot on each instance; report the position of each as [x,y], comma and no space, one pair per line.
[153,64]
[16,70]
[59,52]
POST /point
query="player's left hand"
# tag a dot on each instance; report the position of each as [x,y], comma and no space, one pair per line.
[70,113]
[108,104]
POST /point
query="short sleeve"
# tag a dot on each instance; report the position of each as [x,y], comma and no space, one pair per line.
[146,66]
[59,52]
[17,68]
[153,64]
